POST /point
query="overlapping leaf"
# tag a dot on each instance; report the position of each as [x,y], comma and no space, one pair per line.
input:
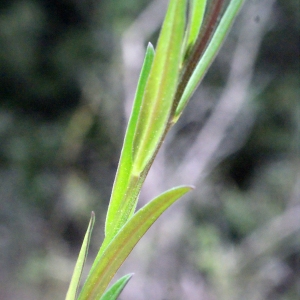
[160,88]
[75,281]
[115,290]
[116,252]
[149,118]
[167,81]
[123,188]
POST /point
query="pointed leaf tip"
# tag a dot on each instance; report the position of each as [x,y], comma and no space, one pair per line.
[116,289]
[75,281]
[124,173]
[117,251]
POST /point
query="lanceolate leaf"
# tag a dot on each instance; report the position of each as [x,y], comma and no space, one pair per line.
[160,88]
[122,187]
[149,117]
[115,290]
[120,247]
[210,53]
[75,281]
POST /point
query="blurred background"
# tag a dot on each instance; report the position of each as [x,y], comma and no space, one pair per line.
[68,75]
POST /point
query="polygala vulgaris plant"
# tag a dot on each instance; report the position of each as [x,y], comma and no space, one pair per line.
[169,76]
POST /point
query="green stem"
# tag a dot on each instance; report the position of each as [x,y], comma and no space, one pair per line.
[198,50]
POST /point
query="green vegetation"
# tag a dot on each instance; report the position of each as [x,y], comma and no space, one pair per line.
[167,77]
[60,122]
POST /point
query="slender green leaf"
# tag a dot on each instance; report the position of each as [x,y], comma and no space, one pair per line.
[160,88]
[123,177]
[123,243]
[197,9]
[75,281]
[115,290]
[149,120]
[210,53]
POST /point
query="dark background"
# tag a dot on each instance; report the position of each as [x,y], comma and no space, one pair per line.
[65,84]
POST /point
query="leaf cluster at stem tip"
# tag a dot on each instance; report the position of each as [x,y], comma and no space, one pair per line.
[185,49]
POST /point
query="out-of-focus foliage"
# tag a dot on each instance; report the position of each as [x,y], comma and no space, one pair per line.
[61,127]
